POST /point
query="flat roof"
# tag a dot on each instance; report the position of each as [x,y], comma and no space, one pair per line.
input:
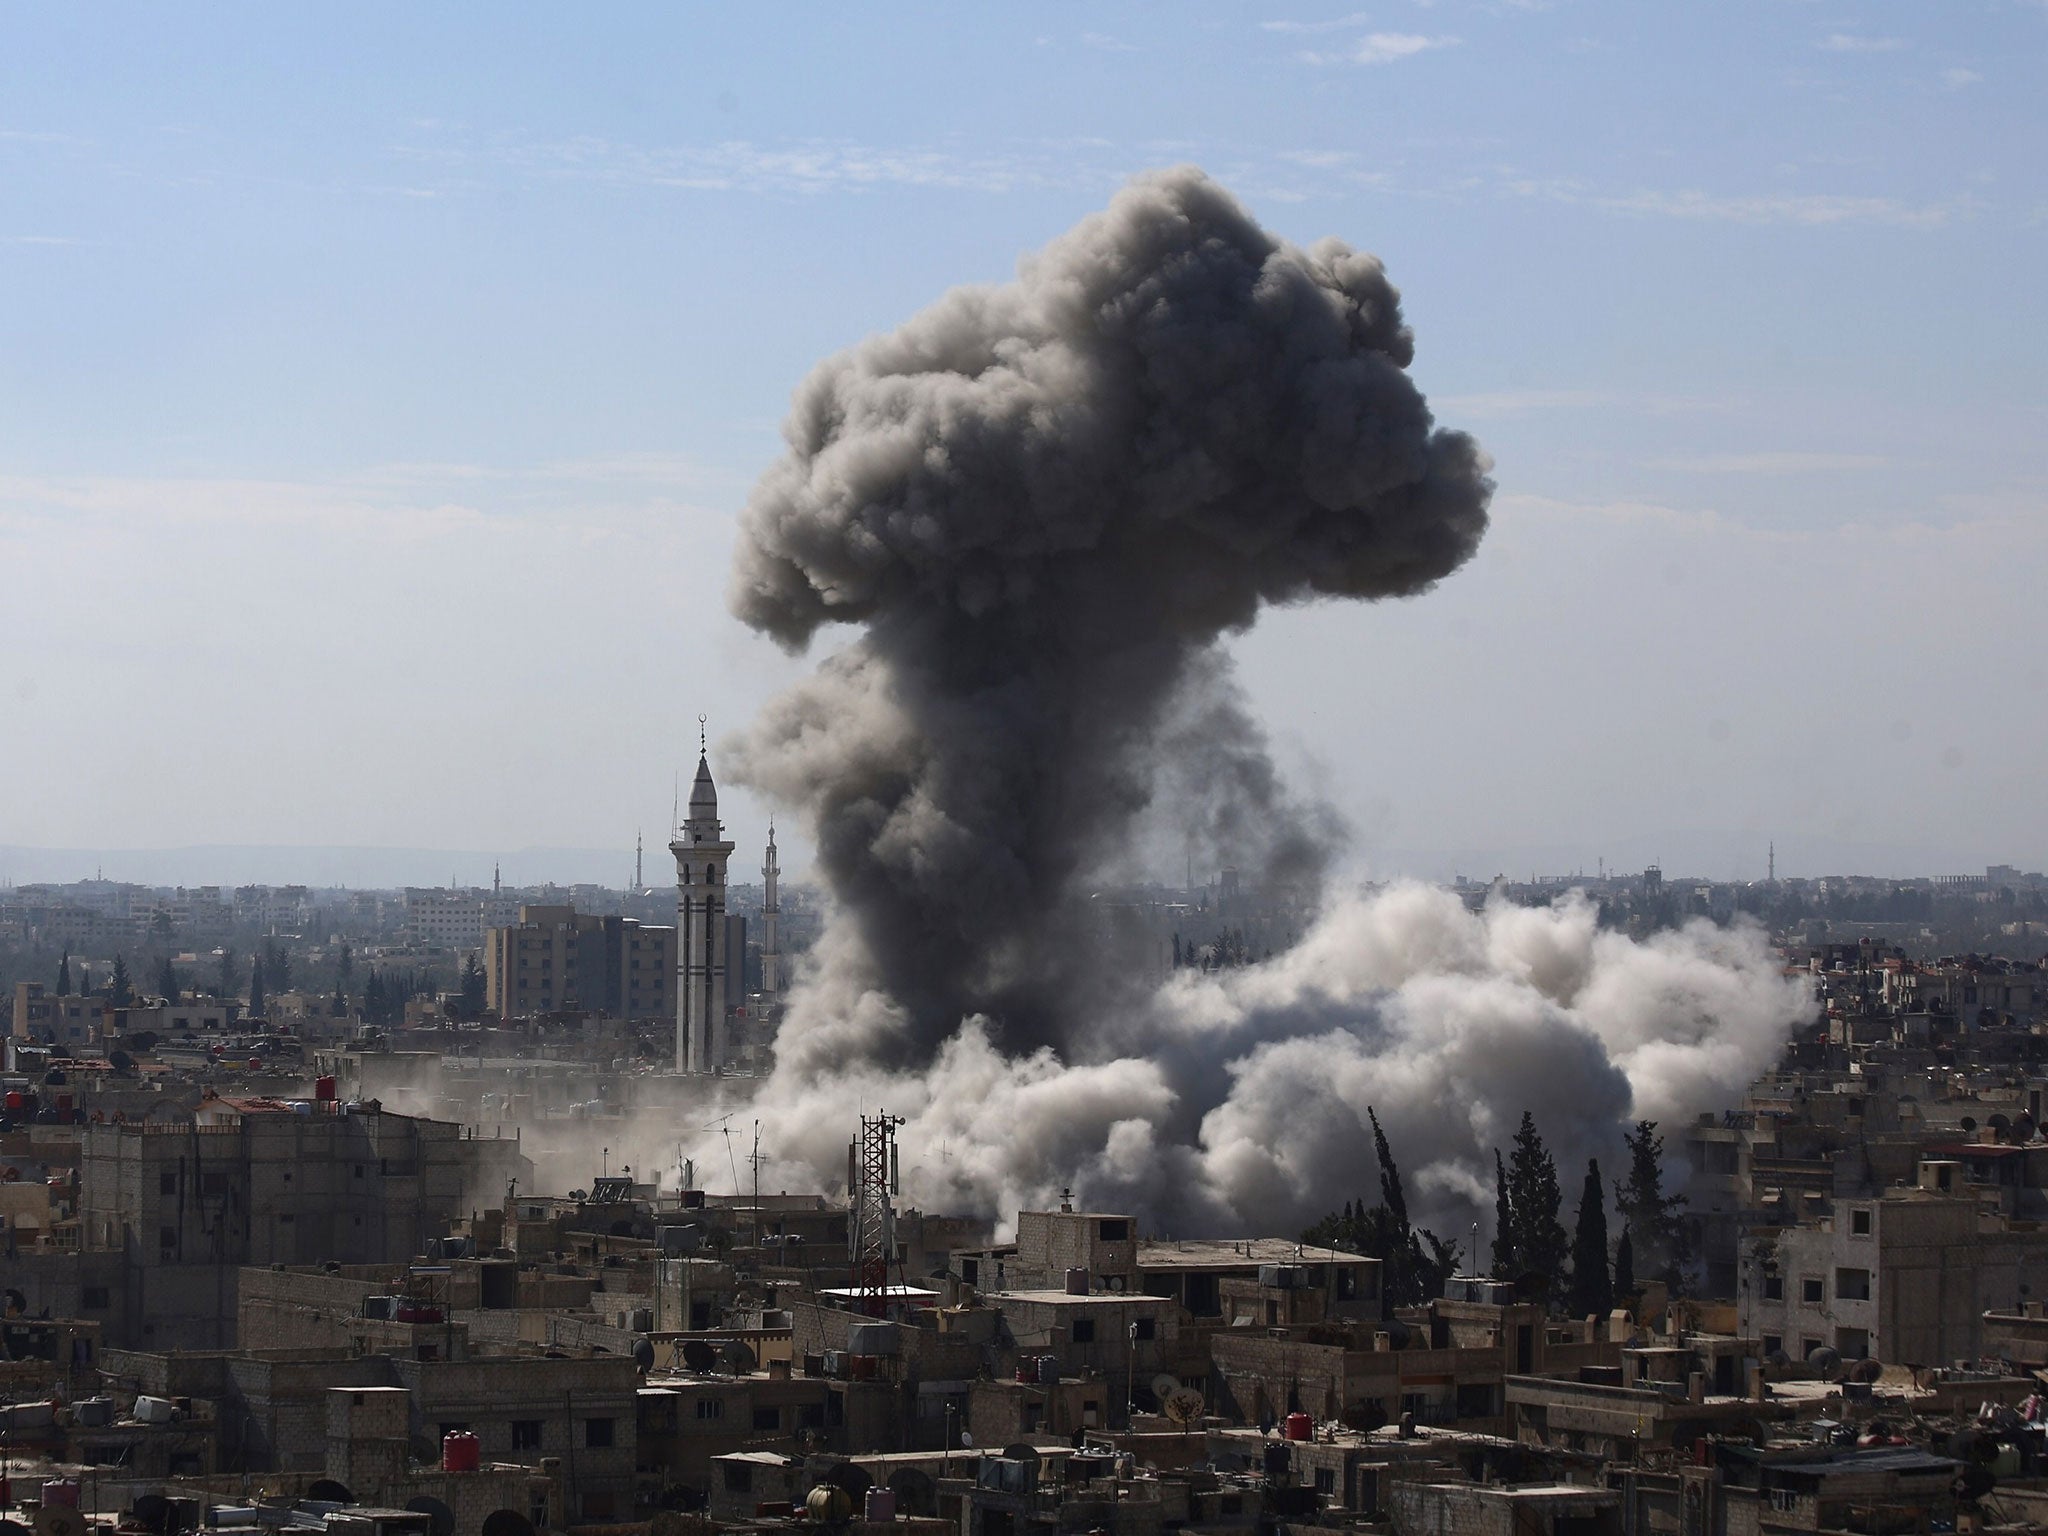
[1211,1254]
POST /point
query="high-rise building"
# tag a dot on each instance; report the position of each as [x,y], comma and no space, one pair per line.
[701,853]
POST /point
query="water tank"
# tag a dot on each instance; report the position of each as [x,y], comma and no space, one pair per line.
[154,1410]
[1300,1427]
[1077,1282]
[461,1451]
[827,1504]
[881,1504]
[1048,1370]
[323,1090]
[94,1412]
[61,1490]
[14,1100]
[1027,1370]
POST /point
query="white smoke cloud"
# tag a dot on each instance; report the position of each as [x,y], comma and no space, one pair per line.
[1236,1101]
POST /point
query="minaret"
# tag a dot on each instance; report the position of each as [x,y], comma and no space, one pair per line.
[701,853]
[771,909]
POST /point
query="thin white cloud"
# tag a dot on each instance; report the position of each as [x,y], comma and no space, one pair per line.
[1382,48]
[1808,208]
[1851,42]
[1335,24]
[1776,463]
[1955,79]
[1102,42]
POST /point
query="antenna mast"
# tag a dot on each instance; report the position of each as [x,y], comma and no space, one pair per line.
[872,1176]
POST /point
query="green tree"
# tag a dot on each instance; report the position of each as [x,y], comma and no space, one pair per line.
[1655,1219]
[1625,1265]
[277,967]
[64,975]
[1535,1204]
[374,998]
[167,980]
[224,981]
[474,989]
[120,990]
[344,969]
[1592,1289]
[256,987]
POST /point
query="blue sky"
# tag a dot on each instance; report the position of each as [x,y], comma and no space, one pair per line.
[377,386]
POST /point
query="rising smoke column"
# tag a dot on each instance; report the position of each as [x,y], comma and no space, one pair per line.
[1044,504]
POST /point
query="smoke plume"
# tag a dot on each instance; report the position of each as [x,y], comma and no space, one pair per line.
[1235,1101]
[1045,505]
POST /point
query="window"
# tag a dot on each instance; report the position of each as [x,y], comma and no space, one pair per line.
[710,1408]
[1326,1480]
[1084,1330]
[285,1218]
[1808,1346]
[95,1298]
[167,1182]
[1811,1291]
[597,1433]
[1113,1231]
[1773,1343]
[1859,1223]
[526,1434]
[769,1419]
[1144,1328]
[1774,1287]
[167,1238]
[1852,1285]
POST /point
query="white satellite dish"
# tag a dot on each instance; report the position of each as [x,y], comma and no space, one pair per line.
[966,1440]
[1184,1405]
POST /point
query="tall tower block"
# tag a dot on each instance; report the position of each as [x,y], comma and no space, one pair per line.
[771,914]
[701,853]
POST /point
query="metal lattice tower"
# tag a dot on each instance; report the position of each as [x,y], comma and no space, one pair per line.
[871,1178]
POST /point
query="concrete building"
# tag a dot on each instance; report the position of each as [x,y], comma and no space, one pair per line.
[182,1205]
[1904,1278]
[555,959]
[701,853]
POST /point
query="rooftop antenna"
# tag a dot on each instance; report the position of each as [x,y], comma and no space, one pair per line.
[703,746]
[675,801]
[639,853]
[1774,862]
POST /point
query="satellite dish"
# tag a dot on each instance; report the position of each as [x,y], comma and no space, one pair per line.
[643,1354]
[1164,1385]
[698,1355]
[151,1510]
[441,1519]
[1822,1358]
[738,1358]
[1021,1450]
[966,1441]
[325,1490]
[1866,1370]
[507,1522]
[59,1520]
[1184,1405]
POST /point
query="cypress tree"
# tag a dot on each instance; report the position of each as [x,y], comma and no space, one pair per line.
[64,975]
[1540,1243]
[1592,1291]
[1625,1265]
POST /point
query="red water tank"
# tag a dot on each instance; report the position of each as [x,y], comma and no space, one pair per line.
[14,1100]
[461,1451]
[323,1090]
[1027,1370]
[1300,1427]
[255,1063]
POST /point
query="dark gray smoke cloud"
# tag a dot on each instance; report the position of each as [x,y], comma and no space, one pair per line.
[1045,503]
